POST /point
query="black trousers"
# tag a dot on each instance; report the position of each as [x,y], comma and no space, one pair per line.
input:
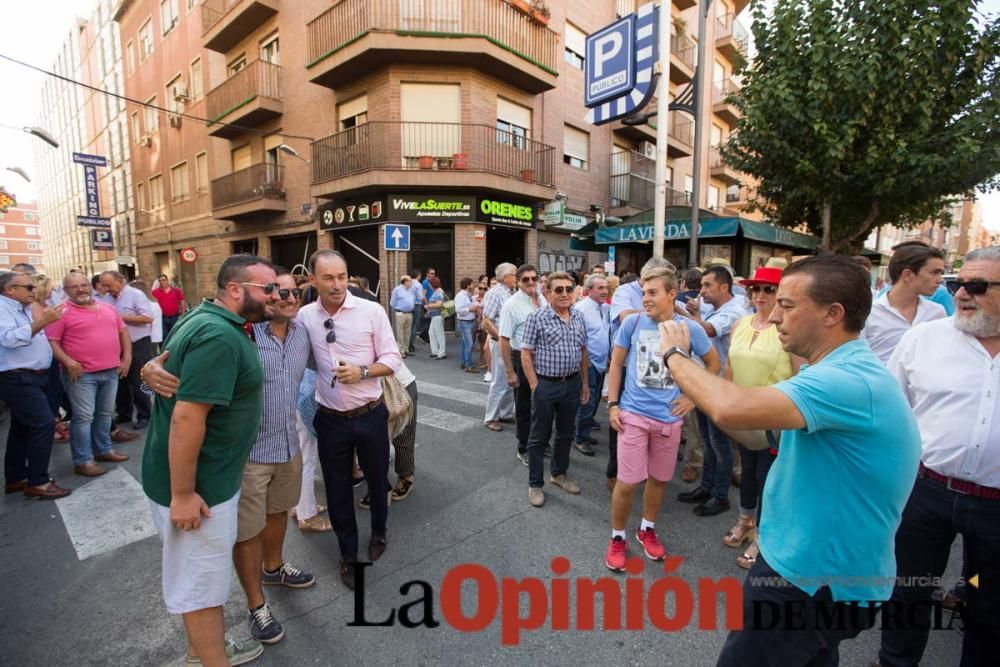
[932,518]
[754,466]
[338,438]
[522,403]
[612,470]
[130,396]
[32,426]
[168,324]
[560,400]
[783,626]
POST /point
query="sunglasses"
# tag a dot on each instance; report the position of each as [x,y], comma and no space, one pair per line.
[268,288]
[30,288]
[529,279]
[766,289]
[563,289]
[284,292]
[973,287]
[331,336]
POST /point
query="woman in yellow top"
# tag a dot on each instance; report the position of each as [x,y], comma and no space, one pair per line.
[756,359]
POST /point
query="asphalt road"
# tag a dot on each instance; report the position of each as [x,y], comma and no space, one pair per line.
[81,580]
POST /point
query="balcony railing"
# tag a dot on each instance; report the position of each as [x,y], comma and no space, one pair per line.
[633,182]
[723,89]
[258,79]
[684,49]
[730,26]
[212,12]
[495,20]
[261,181]
[681,128]
[394,145]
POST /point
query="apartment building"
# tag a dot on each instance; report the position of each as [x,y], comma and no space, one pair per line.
[461,118]
[20,237]
[84,121]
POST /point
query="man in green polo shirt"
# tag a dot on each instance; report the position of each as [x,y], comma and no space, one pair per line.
[198,444]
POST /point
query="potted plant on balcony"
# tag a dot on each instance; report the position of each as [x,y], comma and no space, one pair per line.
[528,174]
[426,162]
[540,12]
[521,5]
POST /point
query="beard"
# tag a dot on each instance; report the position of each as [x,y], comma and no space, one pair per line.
[980,324]
[254,310]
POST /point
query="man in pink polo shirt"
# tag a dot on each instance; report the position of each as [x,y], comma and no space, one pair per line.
[92,345]
[353,346]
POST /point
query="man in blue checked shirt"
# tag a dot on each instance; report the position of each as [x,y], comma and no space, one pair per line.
[596,318]
[554,357]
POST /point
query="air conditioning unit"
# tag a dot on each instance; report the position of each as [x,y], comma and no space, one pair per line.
[145,140]
[180,93]
[648,148]
[174,119]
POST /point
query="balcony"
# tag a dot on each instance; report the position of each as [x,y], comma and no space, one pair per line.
[246,99]
[721,90]
[680,135]
[731,38]
[633,183]
[225,23]
[719,169]
[442,155]
[257,189]
[738,197]
[683,55]
[361,35]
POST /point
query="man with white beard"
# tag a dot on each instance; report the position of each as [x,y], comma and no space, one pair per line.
[950,374]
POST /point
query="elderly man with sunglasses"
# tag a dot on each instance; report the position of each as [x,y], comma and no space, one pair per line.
[949,370]
[513,315]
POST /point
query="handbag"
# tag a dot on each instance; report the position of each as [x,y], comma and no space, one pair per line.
[398,403]
[448,308]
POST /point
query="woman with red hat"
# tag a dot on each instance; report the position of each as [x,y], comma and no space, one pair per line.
[756,359]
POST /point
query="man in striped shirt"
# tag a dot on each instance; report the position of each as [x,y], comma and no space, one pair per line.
[500,401]
[272,478]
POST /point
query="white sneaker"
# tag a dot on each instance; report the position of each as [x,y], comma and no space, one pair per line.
[488,377]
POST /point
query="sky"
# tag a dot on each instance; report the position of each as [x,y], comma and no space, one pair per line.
[33,31]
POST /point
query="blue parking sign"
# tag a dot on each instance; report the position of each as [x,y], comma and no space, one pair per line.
[397,237]
[610,62]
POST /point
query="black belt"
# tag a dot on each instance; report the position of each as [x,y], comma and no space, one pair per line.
[562,378]
[351,414]
[27,370]
[405,312]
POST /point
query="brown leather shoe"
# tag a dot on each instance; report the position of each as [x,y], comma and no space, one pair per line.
[88,469]
[112,456]
[50,491]
[14,487]
[347,573]
[689,474]
[376,547]
[121,435]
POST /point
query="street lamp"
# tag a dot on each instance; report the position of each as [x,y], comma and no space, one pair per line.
[288,150]
[20,172]
[36,131]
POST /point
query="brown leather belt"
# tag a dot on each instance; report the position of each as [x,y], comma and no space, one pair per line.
[959,485]
[356,412]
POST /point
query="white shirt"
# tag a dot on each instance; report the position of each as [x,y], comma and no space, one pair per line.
[952,383]
[156,331]
[886,325]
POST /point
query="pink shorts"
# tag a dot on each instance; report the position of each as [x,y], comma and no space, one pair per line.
[647,448]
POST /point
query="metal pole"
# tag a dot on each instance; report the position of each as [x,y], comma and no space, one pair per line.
[662,128]
[700,88]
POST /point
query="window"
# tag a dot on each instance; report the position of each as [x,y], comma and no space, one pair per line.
[130,56]
[31,231]
[576,147]
[172,102]
[191,4]
[151,116]
[269,50]
[242,159]
[715,136]
[3,229]
[34,245]
[155,192]
[29,216]
[430,103]
[5,260]
[179,189]
[733,193]
[136,128]
[688,184]
[237,65]
[146,40]
[201,171]
[245,247]
[513,123]
[713,197]
[576,46]
[196,83]
[168,15]
[3,245]
[140,196]
[353,112]
[718,73]
[35,259]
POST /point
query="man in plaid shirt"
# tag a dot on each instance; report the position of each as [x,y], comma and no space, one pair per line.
[554,356]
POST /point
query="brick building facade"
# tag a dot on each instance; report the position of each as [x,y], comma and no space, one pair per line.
[20,237]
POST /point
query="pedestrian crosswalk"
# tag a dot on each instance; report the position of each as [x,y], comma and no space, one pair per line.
[446,420]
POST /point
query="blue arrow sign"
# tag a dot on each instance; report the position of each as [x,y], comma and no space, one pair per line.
[397,237]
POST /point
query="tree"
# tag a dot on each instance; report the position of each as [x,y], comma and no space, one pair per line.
[859,113]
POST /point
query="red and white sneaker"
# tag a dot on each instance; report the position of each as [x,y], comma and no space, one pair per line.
[617,554]
[651,544]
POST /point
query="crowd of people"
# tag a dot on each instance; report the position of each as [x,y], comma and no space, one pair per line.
[859,426]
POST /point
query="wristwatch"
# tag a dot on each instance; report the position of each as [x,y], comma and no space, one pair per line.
[365,372]
[672,351]
[612,404]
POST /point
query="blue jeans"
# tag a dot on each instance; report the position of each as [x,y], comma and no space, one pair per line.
[465,330]
[585,415]
[418,311]
[93,401]
[717,473]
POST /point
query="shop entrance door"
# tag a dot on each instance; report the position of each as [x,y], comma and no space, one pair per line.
[503,245]
[432,247]
[360,248]
[291,251]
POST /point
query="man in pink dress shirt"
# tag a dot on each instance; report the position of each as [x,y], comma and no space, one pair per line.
[353,346]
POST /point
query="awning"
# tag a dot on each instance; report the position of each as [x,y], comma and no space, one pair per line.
[760,231]
[711,228]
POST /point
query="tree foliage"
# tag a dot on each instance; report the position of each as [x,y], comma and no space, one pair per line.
[872,111]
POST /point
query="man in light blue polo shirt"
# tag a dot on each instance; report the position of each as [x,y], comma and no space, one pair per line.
[595,312]
[848,460]
[513,315]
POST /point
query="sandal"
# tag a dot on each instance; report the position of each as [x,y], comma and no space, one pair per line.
[402,488]
[749,557]
[316,524]
[319,510]
[494,426]
[742,531]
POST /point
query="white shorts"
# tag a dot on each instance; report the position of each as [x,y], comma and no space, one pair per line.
[198,564]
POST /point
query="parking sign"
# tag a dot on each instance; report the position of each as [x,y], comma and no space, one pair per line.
[610,61]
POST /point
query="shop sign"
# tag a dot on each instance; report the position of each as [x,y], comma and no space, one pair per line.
[427,208]
[352,213]
[574,222]
[510,214]
[672,231]
[552,213]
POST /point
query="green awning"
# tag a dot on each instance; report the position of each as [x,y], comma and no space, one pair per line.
[639,230]
[760,231]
